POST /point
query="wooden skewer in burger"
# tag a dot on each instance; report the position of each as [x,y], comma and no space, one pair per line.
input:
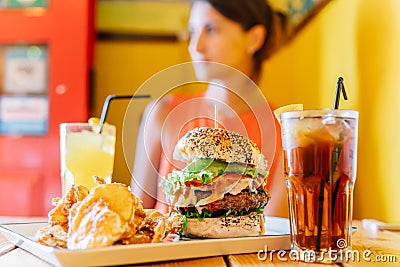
[222,191]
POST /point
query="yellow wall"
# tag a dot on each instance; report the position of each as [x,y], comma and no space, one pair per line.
[121,68]
[358,40]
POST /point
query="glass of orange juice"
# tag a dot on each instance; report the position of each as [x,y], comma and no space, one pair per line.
[86,152]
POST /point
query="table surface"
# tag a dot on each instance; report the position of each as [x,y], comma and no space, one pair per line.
[376,248]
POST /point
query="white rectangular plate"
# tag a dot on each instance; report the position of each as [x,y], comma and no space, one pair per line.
[276,238]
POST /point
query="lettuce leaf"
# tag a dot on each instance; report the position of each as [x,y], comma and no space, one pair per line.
[204,170]
[209,214]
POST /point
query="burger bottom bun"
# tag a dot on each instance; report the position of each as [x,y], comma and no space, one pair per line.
[230,226]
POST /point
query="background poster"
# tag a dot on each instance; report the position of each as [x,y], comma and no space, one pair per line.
[24,115]
[25,70]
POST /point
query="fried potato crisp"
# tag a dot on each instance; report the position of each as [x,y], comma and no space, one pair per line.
[109,214]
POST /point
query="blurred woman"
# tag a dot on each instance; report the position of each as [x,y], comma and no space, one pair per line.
[229,40]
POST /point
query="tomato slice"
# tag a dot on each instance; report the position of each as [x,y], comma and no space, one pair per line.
[228,179]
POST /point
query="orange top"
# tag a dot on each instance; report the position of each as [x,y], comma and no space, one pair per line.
[188,112]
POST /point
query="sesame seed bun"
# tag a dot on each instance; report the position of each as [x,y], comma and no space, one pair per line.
[230,226]
[220,144]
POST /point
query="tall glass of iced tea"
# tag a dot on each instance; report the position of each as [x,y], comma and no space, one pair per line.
[320,154]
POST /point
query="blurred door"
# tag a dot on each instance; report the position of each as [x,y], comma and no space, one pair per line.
[45,58]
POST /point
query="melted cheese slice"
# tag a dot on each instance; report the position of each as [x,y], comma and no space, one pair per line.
[227,183]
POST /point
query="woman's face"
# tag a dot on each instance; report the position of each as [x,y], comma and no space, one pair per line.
[215,38]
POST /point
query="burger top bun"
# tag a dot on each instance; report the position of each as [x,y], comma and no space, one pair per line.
[221,144]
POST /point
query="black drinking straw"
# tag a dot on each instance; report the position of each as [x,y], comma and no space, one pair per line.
[106,104]
[339,89]
[334,160]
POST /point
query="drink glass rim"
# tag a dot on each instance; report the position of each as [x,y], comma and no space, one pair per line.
[85,125]
[64,124]
[319,113]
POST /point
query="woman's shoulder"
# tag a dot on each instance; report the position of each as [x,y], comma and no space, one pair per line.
[166,103]
[159,106]
[155,114]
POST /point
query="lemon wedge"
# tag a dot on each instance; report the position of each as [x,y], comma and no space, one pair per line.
[291,107]
[94,121]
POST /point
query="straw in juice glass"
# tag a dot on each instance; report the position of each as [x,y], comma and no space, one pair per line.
[106,104]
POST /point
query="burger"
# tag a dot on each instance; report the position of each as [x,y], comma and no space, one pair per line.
[222,190]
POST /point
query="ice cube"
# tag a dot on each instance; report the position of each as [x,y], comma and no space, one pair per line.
[328,119]
[340,130]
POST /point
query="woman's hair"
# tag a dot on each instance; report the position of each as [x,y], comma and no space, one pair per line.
[249,13]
